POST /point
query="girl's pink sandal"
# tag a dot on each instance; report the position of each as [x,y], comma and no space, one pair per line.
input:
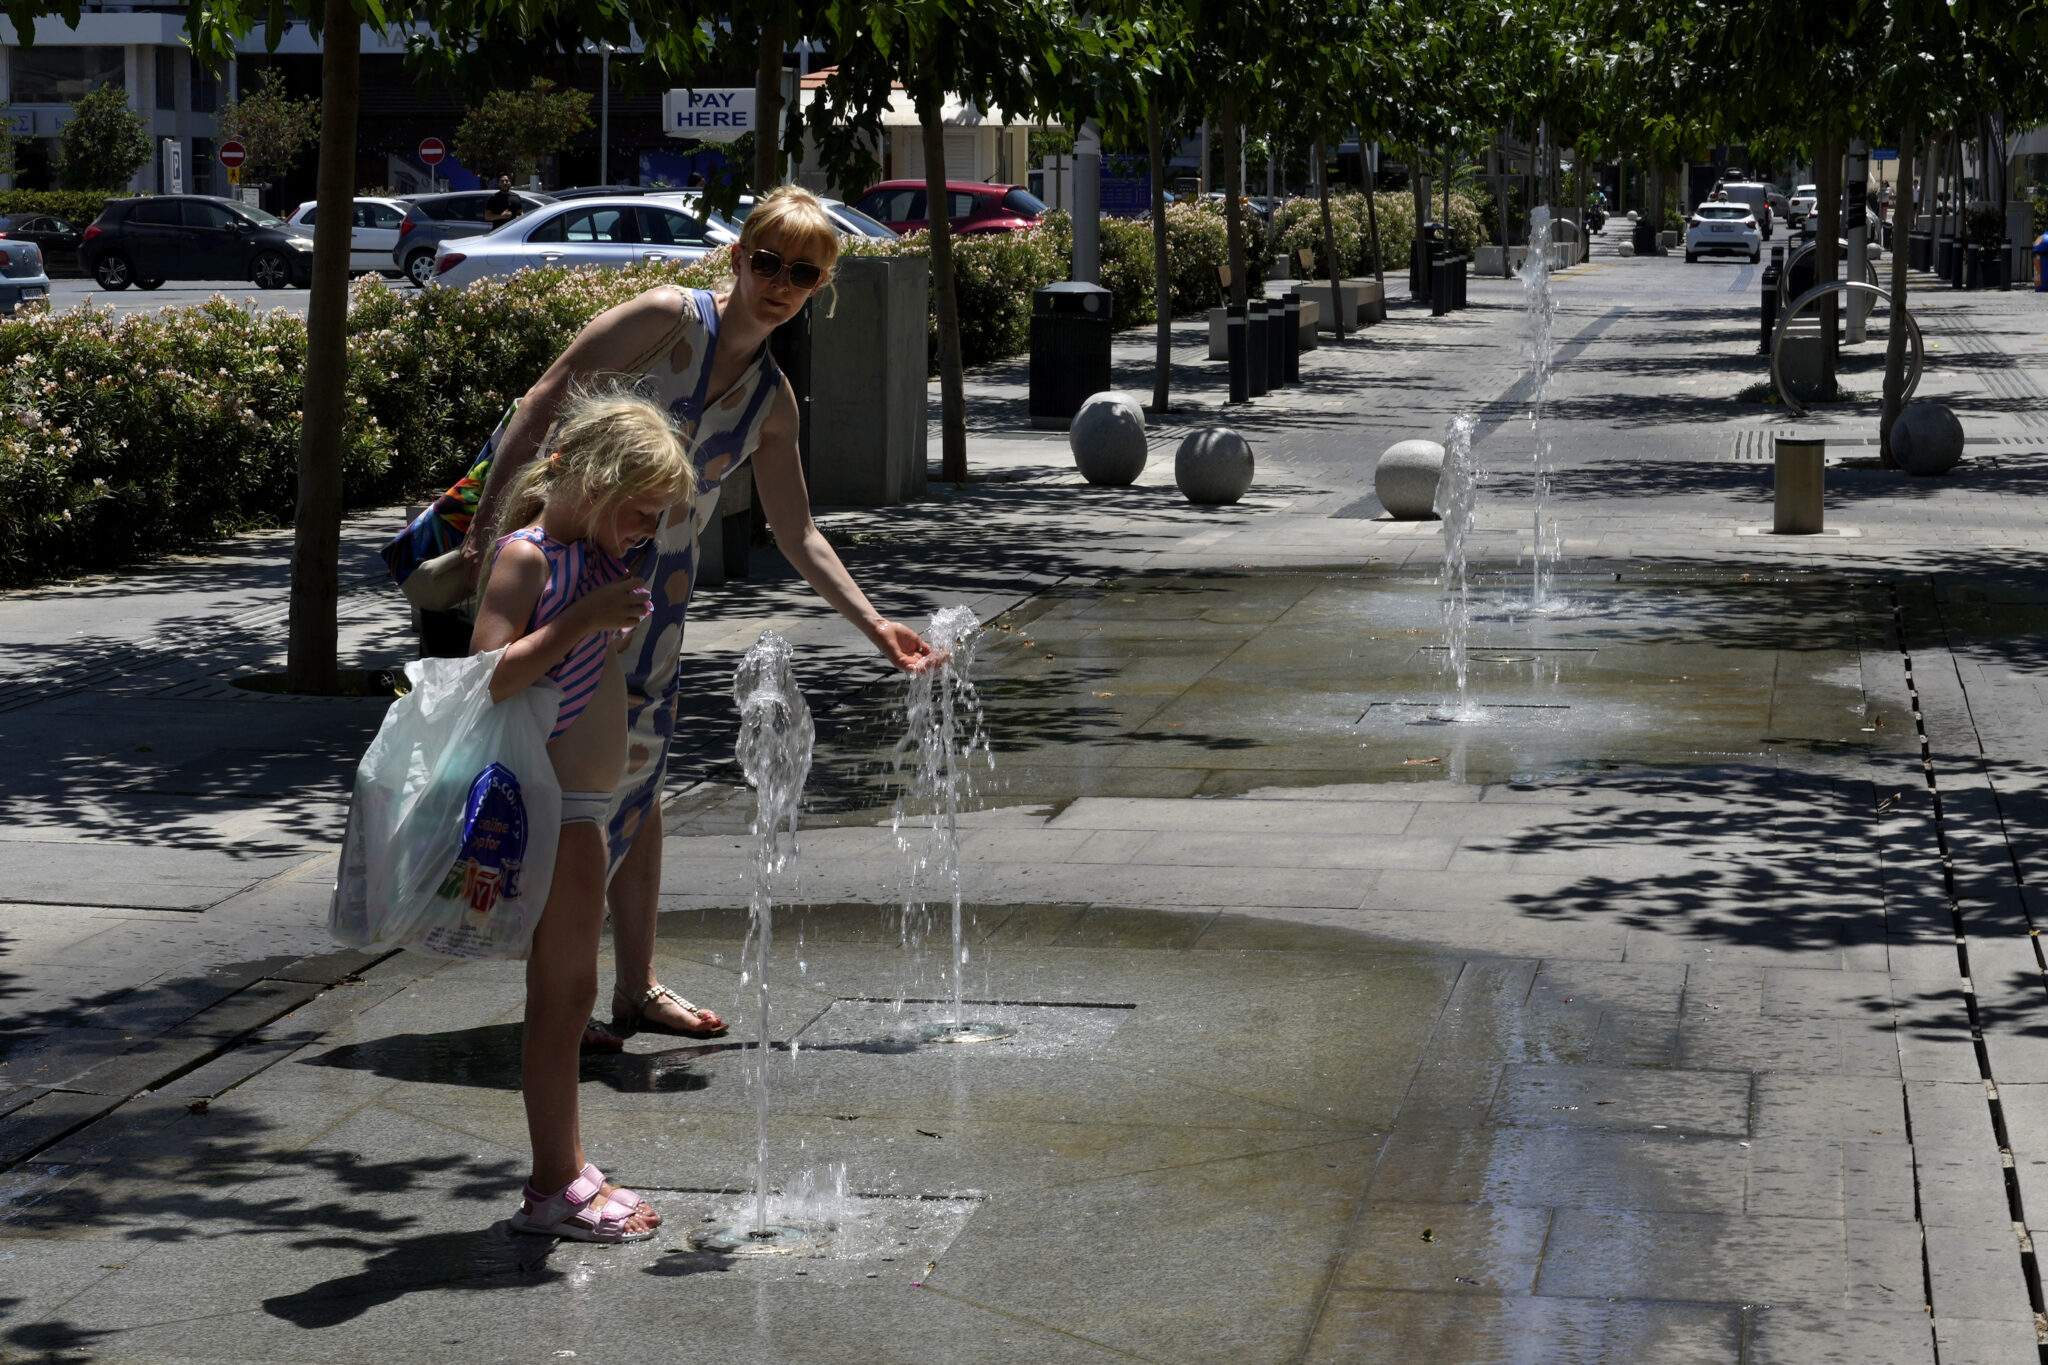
[573,1212]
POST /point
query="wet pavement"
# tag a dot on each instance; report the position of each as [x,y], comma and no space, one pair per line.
[1682,1005]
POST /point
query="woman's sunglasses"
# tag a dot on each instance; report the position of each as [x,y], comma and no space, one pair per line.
[768,265]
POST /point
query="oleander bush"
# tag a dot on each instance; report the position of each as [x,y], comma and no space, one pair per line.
[126,438]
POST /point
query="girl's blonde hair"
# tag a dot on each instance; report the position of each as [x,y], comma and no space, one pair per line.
[611,446]
[797,216]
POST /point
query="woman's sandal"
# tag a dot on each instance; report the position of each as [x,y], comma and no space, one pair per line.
[633,1019]
[574,1212]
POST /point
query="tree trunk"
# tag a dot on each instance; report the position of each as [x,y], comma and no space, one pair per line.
[1372,225]
[1233,193]
[768,109]
[1162,278]
[931,101]
[1827,180]
[1895,340]
[1335,267]
[310,663]
[1419,192]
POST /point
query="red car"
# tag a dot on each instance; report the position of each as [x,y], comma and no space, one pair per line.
[971,207]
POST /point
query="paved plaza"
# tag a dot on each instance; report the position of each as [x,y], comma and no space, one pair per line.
[1687,1006]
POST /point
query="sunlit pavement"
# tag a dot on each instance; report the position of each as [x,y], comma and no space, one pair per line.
[1681,1007]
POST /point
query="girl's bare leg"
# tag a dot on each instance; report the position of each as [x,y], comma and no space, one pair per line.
[561,988]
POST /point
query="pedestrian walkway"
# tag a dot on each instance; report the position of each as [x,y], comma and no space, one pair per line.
[1685,1008]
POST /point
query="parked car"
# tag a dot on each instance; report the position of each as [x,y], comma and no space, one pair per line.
[194,237]
[971,206]
[371,236]
[22,274]
[1722,229]
[604,232]
[57,239]
[1781,204]
[1755,197]
[850,221]
[437,218]
[1804,198]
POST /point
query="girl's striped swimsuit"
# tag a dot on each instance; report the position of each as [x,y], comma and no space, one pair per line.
[574,570]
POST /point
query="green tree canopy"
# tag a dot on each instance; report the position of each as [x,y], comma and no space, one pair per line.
[509,132]
[272,127]
[104,144]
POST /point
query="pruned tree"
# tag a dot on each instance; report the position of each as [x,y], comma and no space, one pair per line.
[273,128]
[510,132]
[104,144]
[1007,55]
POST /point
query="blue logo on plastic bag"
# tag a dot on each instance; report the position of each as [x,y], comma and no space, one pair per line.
[487,869]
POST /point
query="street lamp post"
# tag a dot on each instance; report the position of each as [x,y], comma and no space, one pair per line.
[604,114]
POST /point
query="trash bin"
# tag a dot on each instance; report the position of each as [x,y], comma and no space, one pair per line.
[1645,243]
[1070,335]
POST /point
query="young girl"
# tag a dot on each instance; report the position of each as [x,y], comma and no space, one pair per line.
[561,601]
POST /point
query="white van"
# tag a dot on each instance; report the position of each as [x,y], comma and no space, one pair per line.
[1755,197]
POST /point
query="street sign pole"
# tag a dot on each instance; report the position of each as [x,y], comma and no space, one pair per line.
[432,152]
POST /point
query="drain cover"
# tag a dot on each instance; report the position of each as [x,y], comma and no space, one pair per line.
[744,1239]
[966,1031]
[1007,1027]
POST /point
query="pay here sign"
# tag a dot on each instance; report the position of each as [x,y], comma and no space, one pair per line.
[712,115]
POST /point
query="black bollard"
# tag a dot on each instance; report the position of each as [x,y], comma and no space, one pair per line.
[1276,344]
[1234,333]
[1255,348]
[1439,286]
[1292,316]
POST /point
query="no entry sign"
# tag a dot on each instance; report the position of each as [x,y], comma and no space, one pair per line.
[233,154]
[433,151]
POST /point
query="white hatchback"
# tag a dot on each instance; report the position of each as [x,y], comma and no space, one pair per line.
[372,234]
[1721,229]
[1803,201]
[611,232]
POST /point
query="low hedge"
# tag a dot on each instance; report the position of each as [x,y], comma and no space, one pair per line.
[77,207]
[125,438]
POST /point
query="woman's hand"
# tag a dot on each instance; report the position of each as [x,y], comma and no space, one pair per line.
[905,648]
[619,605]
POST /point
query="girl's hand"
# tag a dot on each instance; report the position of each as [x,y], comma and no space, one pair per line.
[619,605]
[905,648]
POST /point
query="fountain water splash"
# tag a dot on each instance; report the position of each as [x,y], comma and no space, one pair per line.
[774,749]
[1542,309]
[942,731]
[1456,496]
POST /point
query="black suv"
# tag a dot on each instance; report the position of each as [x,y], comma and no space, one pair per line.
[193,237]
[437,218]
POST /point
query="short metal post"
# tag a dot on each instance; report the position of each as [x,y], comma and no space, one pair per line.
[1798,483]
[1439,286]
[1276,344]
[1255,348]
[1292,314]
[1234,330]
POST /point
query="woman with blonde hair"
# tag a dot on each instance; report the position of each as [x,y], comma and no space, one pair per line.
[704,357]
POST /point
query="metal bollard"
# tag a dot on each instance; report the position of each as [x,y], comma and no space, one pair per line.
[1276,344]
[1255,348]
[1234,333]
[1798,481]
[1439,286]
[1291,313]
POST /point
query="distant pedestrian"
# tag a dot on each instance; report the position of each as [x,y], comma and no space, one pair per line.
[501,207]
[562,604]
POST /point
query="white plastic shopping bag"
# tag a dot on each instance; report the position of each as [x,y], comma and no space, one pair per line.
[450,846]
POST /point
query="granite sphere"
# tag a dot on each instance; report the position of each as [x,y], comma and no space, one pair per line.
[1927,439]
[1406,478]
[1213,466]
[1108,438]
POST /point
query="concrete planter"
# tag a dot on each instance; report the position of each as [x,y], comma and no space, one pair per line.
[868,399]
[1213,466]
[1406,477]
[1108,439]
[1492,262]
